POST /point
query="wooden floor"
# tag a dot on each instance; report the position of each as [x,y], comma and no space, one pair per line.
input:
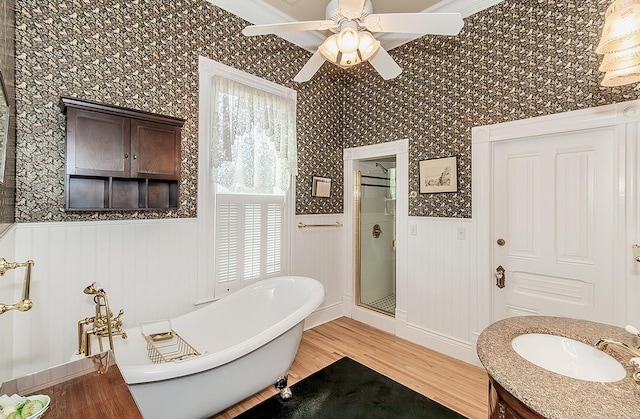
[453,383]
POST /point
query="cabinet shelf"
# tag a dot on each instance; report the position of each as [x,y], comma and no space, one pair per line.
[119,158]
[95,193]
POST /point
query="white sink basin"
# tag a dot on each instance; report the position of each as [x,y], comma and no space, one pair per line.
[568,357]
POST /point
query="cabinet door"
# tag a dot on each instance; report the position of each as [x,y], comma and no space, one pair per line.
[97,143]
[155,150]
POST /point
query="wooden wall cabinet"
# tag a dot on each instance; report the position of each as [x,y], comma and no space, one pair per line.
[119,158]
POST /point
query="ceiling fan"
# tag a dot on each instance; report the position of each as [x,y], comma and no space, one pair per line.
[352,23]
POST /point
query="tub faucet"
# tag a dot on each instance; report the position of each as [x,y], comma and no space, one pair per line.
[602,343]
[104,324]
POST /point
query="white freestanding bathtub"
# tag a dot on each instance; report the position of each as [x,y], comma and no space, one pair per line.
[246,340]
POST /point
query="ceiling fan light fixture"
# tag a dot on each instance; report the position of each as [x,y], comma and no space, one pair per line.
[348,40]
[350,59]
[368,45]
[329,48]
[354,24]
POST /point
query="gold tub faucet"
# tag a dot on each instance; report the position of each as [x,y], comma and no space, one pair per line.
[104,324]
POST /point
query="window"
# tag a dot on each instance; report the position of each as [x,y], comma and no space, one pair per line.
[251,160]
[253,138]
[249,239]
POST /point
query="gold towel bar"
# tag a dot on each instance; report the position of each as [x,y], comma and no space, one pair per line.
[336,224]
[25,304]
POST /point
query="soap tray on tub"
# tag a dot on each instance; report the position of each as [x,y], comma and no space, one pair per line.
[164,344]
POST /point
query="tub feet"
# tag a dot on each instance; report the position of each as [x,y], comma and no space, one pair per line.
[281,385]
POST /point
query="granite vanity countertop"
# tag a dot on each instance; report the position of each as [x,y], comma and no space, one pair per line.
[552,395]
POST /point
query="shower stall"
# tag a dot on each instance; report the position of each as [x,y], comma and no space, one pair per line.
[375,224]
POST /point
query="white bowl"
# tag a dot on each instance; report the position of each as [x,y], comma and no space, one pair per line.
[45,400]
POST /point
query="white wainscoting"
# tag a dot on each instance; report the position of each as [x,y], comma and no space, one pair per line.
[147,267]
[320,253]
[441,297]
[10,292]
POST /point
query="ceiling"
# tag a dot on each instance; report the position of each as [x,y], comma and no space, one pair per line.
[276,11]
[315,9]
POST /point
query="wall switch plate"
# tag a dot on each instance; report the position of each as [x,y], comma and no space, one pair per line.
[413,229]
[462,233]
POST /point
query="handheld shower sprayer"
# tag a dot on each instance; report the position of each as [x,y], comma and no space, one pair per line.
[104,323]
[94,289]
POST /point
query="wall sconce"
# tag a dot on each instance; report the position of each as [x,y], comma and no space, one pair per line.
[620,43]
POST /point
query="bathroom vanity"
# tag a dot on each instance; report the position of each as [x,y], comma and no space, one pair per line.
[90,388]
[521,389]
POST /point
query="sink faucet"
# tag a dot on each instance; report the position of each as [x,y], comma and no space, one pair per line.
[602,343]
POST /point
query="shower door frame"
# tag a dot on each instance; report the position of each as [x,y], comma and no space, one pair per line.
[351,157]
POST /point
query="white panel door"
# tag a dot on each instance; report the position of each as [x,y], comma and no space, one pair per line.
[554,201]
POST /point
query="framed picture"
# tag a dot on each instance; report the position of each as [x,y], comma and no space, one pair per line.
[321,187]
[439,175]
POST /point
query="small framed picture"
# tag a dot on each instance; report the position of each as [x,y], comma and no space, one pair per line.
[439,175]
[321,187]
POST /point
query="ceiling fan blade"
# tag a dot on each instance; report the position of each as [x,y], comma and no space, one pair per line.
[351,9]
[385,64]
[274,28]
[423,23]
[310,68]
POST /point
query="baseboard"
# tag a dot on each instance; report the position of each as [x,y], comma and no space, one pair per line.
[374,319]
[323,315]
[464,351]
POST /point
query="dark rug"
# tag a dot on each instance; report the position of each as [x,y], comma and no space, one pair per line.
[347,389]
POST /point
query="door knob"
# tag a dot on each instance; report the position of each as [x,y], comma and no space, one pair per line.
[500,277]
[501,242]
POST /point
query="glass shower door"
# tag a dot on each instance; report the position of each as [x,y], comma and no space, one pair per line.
[375,237]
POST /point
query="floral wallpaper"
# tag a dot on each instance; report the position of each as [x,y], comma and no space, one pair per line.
[143,54]
[518,59]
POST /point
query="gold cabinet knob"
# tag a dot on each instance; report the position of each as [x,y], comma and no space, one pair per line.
[501,242]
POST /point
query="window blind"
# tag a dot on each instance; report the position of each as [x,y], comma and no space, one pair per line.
[248,239]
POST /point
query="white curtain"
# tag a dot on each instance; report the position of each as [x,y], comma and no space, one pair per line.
[253,139]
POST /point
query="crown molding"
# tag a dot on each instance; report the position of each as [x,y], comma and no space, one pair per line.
[258,12]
